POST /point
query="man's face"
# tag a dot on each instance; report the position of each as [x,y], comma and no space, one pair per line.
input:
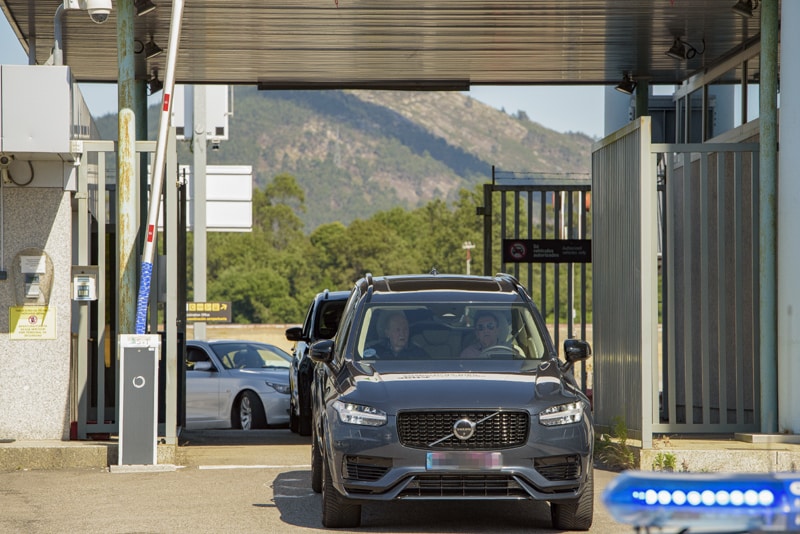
[397,332]
[486,331]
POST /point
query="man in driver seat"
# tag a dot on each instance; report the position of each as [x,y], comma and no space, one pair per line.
[487,334]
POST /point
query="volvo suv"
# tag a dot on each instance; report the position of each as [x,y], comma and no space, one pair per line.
[443,387]
[321,322]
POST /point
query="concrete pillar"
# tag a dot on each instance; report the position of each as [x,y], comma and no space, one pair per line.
[788,294]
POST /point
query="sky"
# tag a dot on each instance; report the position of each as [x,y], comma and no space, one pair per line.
[562,108]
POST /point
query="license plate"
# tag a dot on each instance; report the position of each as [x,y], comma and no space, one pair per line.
[464,460]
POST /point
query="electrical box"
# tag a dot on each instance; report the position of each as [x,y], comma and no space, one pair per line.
[217,111]
[41,112]
[84,282]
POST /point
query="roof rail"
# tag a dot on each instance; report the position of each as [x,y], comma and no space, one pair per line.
[510,277]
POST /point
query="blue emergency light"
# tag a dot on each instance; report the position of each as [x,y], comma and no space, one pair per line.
[707,502]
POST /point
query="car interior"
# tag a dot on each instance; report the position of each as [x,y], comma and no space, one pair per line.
[445,335]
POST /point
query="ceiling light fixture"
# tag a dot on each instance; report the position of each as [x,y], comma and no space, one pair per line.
[681,50]
[151,49]
[745,7]
[143,7]
[627,85]
[154,85]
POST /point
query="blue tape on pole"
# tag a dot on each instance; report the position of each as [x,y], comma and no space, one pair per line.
[144,297]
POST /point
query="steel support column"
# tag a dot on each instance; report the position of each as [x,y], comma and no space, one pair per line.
[767,235]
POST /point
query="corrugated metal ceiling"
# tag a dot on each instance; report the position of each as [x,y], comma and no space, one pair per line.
[369,43]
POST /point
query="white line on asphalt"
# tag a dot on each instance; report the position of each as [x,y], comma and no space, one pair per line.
[303,466]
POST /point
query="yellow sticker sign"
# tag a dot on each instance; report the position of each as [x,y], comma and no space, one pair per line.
[31,322]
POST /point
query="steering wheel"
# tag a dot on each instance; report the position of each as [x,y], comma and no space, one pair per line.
[505,351]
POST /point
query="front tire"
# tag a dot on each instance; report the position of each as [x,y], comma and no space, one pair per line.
[293,419]
[304,409]
[337,510]
[248,413]
[316,464]
[578,514]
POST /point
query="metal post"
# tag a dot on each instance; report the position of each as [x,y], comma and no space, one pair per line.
[199,196]
[468,246]
[788,293]
[767,235]
[127,185]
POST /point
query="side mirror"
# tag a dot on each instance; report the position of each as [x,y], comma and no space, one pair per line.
[294,333]
[322,351]
[576,350]
[203,366]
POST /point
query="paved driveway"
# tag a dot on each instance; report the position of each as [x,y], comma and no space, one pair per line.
[238,482]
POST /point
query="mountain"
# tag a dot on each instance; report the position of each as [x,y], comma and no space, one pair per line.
[358,152]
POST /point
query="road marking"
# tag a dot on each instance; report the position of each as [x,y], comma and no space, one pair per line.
[303,466]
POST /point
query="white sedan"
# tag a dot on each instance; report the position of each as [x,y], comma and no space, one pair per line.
[236,384]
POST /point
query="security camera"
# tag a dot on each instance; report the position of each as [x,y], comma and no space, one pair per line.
[5,161]
[99,10]
[215,145]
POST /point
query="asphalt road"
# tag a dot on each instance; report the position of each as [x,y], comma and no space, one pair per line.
[231,481]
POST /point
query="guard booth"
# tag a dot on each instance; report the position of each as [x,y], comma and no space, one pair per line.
[536,227]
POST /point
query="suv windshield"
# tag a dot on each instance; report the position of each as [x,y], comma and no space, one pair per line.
[451,330]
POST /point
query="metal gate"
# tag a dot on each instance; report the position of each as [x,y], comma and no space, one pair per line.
[700,200]
[94,410]
[543,219]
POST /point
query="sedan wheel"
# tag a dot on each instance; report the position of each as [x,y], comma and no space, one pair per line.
[248,413]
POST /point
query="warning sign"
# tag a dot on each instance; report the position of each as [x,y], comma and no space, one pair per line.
[547,251]
[31,322]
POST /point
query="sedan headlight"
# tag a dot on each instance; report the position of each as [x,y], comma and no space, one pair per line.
[563,414]
[280,388]
[357,414]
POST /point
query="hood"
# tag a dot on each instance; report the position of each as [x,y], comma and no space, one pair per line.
[279,376]
[396,391]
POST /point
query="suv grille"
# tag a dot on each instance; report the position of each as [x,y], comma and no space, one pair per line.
[502,430]
[498,486]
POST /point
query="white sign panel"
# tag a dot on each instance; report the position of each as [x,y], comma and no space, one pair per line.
[229,198]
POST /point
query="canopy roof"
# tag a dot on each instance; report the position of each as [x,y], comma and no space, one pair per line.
[433,44]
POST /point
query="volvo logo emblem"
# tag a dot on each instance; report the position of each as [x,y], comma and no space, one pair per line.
[463,429]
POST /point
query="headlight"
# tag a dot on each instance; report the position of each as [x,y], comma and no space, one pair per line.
[357,414]
[563,414]
[280,388]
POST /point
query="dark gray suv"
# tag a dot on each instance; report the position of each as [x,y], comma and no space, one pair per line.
[321,322]
[443,387]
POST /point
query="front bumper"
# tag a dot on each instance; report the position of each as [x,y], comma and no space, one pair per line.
[370,464]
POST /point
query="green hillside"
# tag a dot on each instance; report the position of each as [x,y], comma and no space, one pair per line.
[355,153]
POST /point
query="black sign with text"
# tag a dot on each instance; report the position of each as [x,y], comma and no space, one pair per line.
[547,250]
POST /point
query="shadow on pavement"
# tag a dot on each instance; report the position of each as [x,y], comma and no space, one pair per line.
[278,436]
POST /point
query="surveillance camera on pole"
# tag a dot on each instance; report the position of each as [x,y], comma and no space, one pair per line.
[99,10]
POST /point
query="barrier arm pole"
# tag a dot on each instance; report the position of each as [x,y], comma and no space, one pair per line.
[157,178]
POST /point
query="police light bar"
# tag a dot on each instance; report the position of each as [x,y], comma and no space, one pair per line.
[707,502]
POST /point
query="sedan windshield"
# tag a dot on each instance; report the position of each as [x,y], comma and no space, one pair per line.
[452,330]
[238,355]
